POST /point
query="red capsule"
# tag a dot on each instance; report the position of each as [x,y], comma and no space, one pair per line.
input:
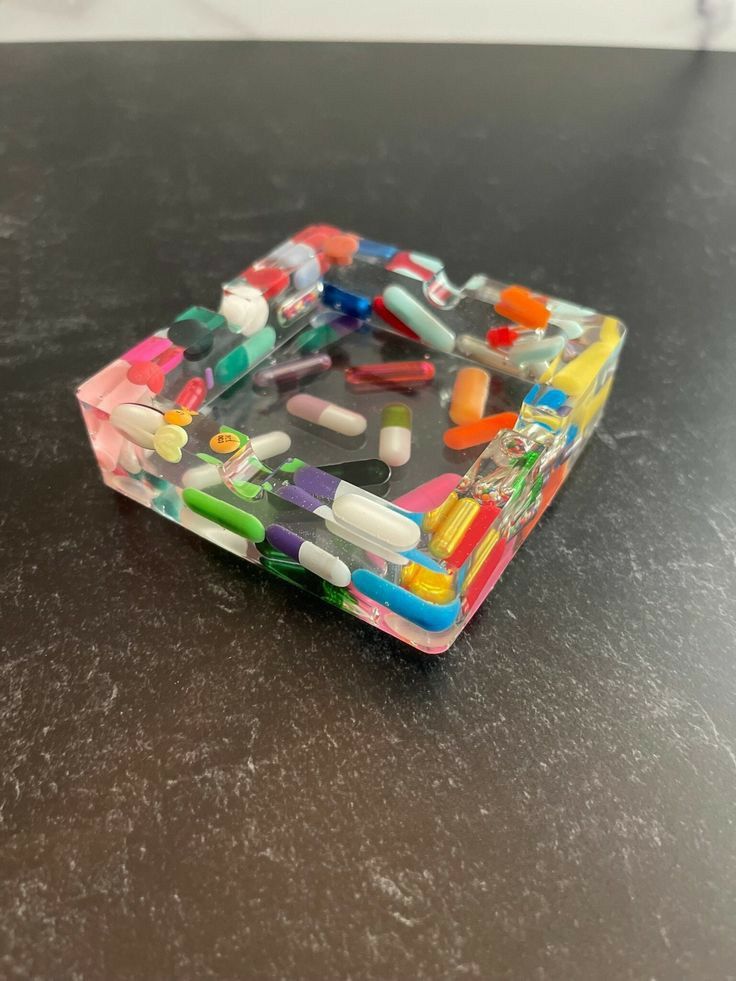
[192,394]
[391,319]
[390,374]
[501,336]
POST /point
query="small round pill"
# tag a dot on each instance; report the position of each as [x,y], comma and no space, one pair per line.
[340,249]
[224,443]
[178,417]
[147,373]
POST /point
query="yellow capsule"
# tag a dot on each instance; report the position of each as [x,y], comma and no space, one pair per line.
[178,417]
[481,553]
[224,443]
[549,372]
[168,441]
[436,587]
[449,533]
[433,518]
[579,374]
[610,332]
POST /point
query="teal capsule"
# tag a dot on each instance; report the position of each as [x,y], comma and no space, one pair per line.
[421,320]
[244,356]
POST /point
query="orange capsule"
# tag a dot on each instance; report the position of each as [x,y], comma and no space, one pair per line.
[469,395]
[518,305]
[482,431]
[340,249]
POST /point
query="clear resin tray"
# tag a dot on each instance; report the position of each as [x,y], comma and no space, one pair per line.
[358,425]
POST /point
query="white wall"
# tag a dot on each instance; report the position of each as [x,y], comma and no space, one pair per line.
[637,23]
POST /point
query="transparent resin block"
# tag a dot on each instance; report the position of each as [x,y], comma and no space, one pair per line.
[358,425]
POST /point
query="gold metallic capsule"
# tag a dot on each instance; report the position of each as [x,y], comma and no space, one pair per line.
[436,587]
[433,518]
[449,533]
[480,555]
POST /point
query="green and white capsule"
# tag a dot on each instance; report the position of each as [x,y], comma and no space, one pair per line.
[394,444]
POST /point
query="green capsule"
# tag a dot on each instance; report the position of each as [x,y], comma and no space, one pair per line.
[226,515]
[242,358]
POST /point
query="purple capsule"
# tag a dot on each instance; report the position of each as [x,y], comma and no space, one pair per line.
[302,499]
[292,371]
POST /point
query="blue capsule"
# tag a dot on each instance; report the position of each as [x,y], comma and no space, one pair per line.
[352,304]
[430,616]
[376,250]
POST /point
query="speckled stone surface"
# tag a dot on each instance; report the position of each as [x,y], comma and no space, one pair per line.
[208,775]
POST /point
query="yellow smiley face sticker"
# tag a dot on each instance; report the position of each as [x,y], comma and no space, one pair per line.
[168,441]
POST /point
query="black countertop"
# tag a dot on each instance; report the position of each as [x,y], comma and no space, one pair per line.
[206,774]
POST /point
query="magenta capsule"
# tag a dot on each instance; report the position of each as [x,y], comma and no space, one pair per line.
[292,371]
[390,374]
[192,394]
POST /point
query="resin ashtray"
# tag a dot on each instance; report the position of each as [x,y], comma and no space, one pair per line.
[359,426]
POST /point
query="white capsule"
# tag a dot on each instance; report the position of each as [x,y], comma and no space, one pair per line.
[202,477]
[270,444]
[326,414]
[128,458]
[214,533]
[365,543]
[137,422]
[376,521]
[394,444]
[323,564]
[244,308]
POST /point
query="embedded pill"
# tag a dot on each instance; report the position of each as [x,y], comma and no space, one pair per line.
[326,414]
[421,320]
[451,530]
[245,309]
[270,444]
[431,616]
[137,422]
[578,375]
[309,555]
[375,520]
[168,441]
[193,335]
[202,477]
[178,417]
[394,444]
[224,443]
[292,371]
[369,545]
[226,515]
[469,395]
[360,473]
[192,395]
[352,304]
[377,251]
[429,584]
[380,308]
[269,280]
[503,336]
[300,498]
[328,484]
[147,373]
[245,356]
[340,249]
[534,348]
[482,431]
[390,374]
[518,304]
[474,347]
